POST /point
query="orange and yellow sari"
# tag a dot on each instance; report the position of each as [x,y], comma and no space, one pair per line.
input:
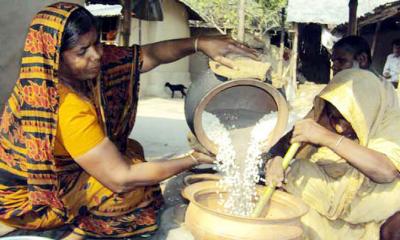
[40,189]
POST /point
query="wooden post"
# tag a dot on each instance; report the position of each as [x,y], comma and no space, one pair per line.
[279,82]
[375,39]
[140,31]
[126,22]
[241,14]
[352,30]
[295,48]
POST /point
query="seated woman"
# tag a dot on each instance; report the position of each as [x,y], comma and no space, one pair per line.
[347,170]
[65,157]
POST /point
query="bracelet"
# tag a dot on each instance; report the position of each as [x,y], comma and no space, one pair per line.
[196,42]
[193,158]
[340,139]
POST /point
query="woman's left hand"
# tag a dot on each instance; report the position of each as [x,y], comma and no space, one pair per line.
[217,47]
[203,158]
[308,130]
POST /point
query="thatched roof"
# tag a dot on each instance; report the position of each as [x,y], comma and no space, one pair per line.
[193,13]
[380,14]
[328,11]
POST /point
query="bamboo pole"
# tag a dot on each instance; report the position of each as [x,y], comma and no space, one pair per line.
[241,14]
[269,190]
[126,22]
[375,39]
[352,29]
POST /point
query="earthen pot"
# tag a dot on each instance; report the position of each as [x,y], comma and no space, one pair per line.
[213,95]
[206,221]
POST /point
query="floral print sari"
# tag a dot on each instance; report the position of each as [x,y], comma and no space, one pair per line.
[39,190]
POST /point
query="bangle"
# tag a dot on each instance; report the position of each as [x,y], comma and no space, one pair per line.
[196,42]
[193,158]
[340,139]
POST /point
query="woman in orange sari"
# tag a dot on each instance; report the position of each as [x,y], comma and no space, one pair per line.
[65,157]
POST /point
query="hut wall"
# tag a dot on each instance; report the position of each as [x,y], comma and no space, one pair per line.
[175,25]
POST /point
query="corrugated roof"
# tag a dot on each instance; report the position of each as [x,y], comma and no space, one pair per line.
[328,11]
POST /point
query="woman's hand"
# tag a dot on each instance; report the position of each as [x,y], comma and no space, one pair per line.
[199,152]
[203,158]
[274,173]
[218,47]
[308,130]
[195,144]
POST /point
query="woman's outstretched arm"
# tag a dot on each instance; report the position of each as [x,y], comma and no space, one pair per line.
[216,47]
[106,164]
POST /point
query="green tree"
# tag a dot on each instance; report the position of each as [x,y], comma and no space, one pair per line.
[261,15]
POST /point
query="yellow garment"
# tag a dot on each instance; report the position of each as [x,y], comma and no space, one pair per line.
[391,94]
[92,195]
[345,203]
[78,128]
[78,131]
[135,207]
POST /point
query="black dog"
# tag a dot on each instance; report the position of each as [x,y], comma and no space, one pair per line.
[176,87]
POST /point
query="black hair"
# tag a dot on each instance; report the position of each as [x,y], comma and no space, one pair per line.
[80,21]
[396,42]
[355,45]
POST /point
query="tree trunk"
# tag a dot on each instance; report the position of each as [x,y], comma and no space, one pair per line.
[241,14]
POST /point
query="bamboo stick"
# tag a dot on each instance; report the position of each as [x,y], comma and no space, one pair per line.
[269,190]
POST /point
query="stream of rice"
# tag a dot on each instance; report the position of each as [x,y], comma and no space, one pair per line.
[239,154]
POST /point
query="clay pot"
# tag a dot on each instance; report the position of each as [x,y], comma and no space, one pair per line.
[244,94]
[206,221]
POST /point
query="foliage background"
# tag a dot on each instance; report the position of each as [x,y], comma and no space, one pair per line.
[261,15]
